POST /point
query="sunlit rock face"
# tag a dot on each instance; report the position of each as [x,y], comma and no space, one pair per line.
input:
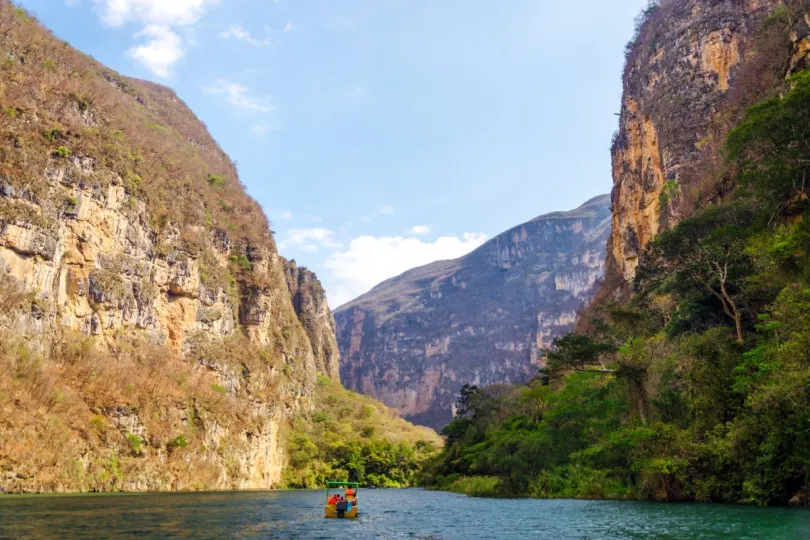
[123,222]
[414,340]
[98,269]
[681,74]
[309,302]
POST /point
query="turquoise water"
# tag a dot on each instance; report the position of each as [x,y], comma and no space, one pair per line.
[384,514]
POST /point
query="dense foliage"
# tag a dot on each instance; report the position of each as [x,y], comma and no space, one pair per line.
[697,390]
[356,438]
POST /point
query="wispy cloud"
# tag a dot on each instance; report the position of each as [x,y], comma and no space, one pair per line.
[419,229]
[240,34]
[238,96]
[166,12]
[310,240]
[387,209]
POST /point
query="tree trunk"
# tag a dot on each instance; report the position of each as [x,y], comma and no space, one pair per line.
[729,306]
[642,412]
[738,323]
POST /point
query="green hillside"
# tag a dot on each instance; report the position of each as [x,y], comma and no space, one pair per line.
[355,437]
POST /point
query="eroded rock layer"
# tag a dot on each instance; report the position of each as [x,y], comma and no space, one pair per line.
[414,340]
[680,78]
[309,301]
[151,337]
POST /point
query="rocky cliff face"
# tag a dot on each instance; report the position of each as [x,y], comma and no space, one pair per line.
[685,73]
[414,340]
[151,337]
[309,301]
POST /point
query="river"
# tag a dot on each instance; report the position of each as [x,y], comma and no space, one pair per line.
[385,513]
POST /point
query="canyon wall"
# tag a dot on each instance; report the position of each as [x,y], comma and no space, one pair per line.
[684,75]
[309,301]
[414,340]
[151,337]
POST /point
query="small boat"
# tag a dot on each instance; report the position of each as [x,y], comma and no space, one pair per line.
[341,506]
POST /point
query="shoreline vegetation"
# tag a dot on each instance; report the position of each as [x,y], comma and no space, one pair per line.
[698,388]
[355,437]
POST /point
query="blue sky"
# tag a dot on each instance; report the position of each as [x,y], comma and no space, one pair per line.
[379,135]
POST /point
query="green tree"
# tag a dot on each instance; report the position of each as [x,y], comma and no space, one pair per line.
[772,146]
[579,353]
[706,251]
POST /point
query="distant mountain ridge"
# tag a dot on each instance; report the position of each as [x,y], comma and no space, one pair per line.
[414,340]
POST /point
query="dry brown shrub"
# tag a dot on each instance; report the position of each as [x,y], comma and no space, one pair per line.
[136,129]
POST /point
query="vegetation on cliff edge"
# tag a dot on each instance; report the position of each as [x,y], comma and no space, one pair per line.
[699,389]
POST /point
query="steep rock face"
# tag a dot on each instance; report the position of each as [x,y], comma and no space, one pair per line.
[680,73]
[414,340]
[309,301]
[154,341]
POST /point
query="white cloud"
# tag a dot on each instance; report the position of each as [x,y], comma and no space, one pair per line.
[237,96]
[419,229]
[163,48]
[149,12]
[238,33]
[387,209]
[159,19]
[365,219]
[289,27]
[285,215]
[370,260]
[310,240]
[359,91]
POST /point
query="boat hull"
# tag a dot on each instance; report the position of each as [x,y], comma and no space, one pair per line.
[330,511]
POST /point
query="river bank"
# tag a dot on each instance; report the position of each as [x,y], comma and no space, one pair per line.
[492,487]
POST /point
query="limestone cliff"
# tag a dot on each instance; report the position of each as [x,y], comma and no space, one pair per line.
[414,340]
[150,336]
[684,75]
[309,301]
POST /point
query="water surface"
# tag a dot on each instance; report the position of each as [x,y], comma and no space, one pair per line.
[385,513]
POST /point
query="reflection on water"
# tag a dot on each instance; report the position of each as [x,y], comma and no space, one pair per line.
[384,514]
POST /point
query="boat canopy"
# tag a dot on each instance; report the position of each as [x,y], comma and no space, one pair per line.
[331,484]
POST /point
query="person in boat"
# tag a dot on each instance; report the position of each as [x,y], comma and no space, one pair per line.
[333,499]
[351,496]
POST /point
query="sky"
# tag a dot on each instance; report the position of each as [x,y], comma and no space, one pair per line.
[380,135]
